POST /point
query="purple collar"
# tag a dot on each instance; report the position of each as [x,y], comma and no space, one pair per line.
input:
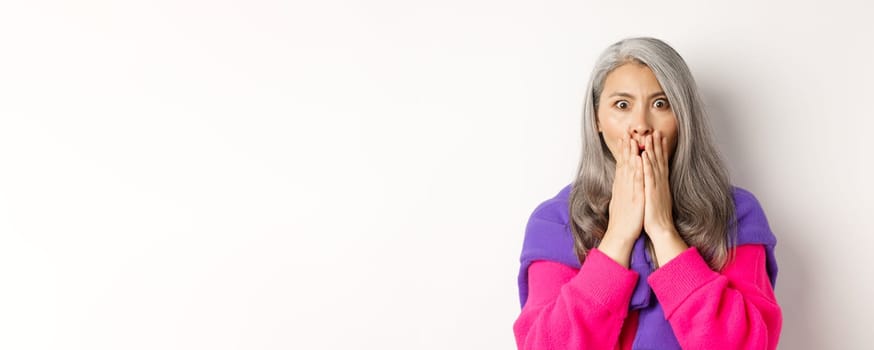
[548,237]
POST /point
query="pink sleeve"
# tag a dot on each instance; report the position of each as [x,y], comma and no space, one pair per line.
[575,309]
[735,309]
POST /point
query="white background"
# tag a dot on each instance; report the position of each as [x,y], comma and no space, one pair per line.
[358,175]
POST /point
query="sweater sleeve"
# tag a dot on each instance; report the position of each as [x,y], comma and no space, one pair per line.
[734,309]
[575,309]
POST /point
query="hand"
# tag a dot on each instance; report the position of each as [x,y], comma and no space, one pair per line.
[627,202]
[658,217]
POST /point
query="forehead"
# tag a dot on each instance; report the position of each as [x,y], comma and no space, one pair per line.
[631,78]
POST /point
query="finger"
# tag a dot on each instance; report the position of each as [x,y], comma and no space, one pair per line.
[637,161]
[659,150]
[648,180]
[651,155]
[649,146]
[638,170]
[619,152]
[665,155]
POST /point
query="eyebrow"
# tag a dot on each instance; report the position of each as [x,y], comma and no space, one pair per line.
[625,94]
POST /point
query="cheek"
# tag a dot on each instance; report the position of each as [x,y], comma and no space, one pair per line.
[669,128]
[611,138]
[611,145]
[611,129]
[605,132]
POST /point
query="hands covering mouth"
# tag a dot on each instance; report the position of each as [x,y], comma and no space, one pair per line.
[641,197]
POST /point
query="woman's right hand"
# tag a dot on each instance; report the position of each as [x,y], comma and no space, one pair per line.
[626,204]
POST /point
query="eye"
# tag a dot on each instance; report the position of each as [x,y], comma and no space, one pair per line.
[621,104]
[660,103]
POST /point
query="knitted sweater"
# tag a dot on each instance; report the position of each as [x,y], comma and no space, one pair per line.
[603,305]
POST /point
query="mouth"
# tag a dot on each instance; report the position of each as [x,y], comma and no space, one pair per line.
[641,149]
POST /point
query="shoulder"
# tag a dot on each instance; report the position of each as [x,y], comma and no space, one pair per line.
[743,197]
[746,204]
[752,224]
[548,234]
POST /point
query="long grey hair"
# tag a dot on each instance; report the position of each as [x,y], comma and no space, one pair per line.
[703,205]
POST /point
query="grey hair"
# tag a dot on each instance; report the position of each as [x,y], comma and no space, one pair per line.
[703,205]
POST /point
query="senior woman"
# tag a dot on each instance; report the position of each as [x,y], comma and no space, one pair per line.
[651,246]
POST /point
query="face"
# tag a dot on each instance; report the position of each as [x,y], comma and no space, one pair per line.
[633,104]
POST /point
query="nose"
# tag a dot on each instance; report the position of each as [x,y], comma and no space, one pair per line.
[640,124]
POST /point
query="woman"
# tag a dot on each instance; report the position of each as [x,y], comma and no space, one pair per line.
[651,247]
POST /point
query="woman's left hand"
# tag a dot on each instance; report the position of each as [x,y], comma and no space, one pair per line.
[657,215]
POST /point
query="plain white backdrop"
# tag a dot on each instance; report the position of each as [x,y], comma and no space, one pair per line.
[358,174]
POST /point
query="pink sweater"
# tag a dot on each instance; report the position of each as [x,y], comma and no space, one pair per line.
[588,308]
